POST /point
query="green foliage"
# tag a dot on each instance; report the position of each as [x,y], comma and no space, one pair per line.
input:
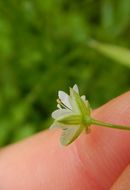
[44,48]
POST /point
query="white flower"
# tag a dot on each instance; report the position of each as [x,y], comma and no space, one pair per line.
[72,115]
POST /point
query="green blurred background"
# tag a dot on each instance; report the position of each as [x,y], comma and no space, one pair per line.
[46,45]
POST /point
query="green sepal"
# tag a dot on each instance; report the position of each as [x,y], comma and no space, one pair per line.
[70,120]
[82,107]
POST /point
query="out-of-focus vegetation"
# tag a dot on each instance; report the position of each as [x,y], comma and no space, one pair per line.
[45,46]
[120,54]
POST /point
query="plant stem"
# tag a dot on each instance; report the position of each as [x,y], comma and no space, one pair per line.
[100,123]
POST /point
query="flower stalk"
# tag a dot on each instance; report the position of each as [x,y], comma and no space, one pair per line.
[110,125]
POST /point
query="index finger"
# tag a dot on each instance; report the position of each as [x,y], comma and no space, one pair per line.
[92,162]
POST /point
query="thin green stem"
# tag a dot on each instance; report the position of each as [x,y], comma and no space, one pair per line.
[100,123]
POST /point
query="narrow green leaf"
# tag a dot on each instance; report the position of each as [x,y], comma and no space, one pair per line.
[117,53]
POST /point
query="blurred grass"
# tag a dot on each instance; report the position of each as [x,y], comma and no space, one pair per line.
[119,54]
[44,48]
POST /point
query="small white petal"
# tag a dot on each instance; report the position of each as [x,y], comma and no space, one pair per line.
[83,97]
[75,88]
[58,106]
[61,112]
[70,133]
[64,98]
[57,125]
[86,102]
[54,125]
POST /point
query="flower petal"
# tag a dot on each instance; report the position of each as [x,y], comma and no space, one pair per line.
[61,112]
[83,97]
[64,98]
[56,125]
[75,88]
[70,134]
[87,106]
[59,106]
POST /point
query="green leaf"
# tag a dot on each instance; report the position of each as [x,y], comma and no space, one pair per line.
[117,53]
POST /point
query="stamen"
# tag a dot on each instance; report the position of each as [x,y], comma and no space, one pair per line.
[62,104]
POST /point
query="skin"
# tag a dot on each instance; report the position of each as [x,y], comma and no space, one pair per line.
[96,161]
